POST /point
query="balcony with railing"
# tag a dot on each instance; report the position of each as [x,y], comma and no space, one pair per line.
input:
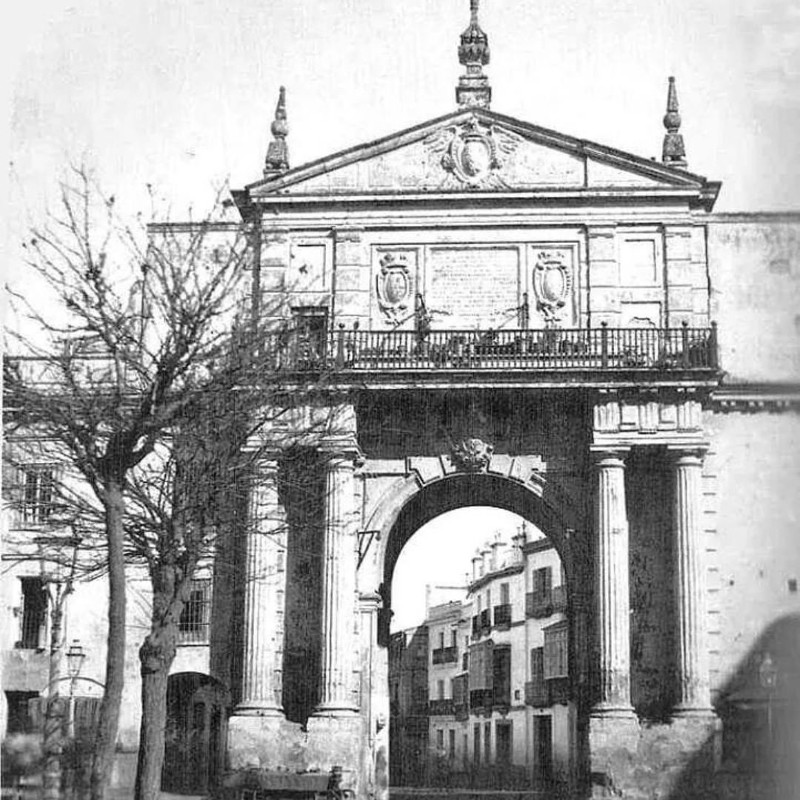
[543,604]
[502,616]
[441,708]
[571,355]
[445,655]
[572,350]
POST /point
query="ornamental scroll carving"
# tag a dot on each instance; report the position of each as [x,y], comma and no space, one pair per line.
[471,455]
[393,286]
[552,283]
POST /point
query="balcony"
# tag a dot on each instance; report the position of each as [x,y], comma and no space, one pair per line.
[573,351]
[480,700]
[543,604]
[502,616]
[536,694]
[441,708]
[445,655]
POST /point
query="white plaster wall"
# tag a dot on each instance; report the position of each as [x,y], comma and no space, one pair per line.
[752,513]
[754,270]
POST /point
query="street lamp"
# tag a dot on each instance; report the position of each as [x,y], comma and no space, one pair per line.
[75,658]
[768,678]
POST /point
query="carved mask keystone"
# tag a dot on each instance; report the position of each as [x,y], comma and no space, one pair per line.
[471,455]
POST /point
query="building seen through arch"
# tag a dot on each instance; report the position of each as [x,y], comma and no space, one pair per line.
[498,315]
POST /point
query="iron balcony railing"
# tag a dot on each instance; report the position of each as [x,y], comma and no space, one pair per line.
[445,655]
[357,352]
[502,616]
[579,349]
[441,708]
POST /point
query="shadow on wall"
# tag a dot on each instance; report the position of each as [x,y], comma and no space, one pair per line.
[758,752]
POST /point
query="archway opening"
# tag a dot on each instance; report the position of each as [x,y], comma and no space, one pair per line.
[194,752]
[479,684]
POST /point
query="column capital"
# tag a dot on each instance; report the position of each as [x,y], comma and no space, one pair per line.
[609,456]
[342,448]
[688,455]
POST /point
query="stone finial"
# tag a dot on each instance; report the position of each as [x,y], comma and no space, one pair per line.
[673,153]
[473,90]
[277,160]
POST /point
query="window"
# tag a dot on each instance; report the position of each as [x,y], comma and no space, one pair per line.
[453,639]
[451,735]
[440,739]
[487,742]
[194,622]
[476,744]
[555,652]
[34,614]
[38,493]
[440,690]
[542,582]
[488,598]
[21,712]
[441,640]
[504,594]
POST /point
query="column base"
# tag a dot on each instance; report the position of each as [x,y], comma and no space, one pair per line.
[613,711]
[694,711]
[258,710]
[335,710]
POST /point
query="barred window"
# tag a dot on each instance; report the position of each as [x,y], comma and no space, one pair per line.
[555,652]
[542,582]
[195,617]
[38,493]
[34,614]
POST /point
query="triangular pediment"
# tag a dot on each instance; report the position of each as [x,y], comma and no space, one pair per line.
[474,151]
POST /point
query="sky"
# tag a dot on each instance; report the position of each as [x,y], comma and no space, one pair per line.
[434,564]
[179,95]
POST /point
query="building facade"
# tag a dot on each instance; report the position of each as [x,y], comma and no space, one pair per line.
[515,317]
[501,710]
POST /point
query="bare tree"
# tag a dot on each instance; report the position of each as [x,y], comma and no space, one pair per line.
[159,404]
[113,365]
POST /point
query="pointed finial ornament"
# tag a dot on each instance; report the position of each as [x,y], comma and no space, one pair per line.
[673,153]
[473,90]
[277,160]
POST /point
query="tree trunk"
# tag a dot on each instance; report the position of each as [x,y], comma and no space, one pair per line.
[106,737]
[156,656]
[52,744]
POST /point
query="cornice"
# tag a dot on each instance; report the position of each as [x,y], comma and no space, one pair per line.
[511,569]
[767,397]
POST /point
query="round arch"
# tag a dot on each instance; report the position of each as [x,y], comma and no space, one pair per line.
[197,712]
[406,508]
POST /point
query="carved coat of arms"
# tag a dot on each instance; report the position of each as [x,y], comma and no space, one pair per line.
[470,155]
[552,283]
[393,286]
[471,455]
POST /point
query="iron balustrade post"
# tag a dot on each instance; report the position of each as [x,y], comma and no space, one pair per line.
[604,345]
[340,346]
[685,344]
[713,352]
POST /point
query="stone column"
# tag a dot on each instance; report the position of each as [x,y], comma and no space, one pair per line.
[265,587]
[692,655]
[339,563]
[612,585]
